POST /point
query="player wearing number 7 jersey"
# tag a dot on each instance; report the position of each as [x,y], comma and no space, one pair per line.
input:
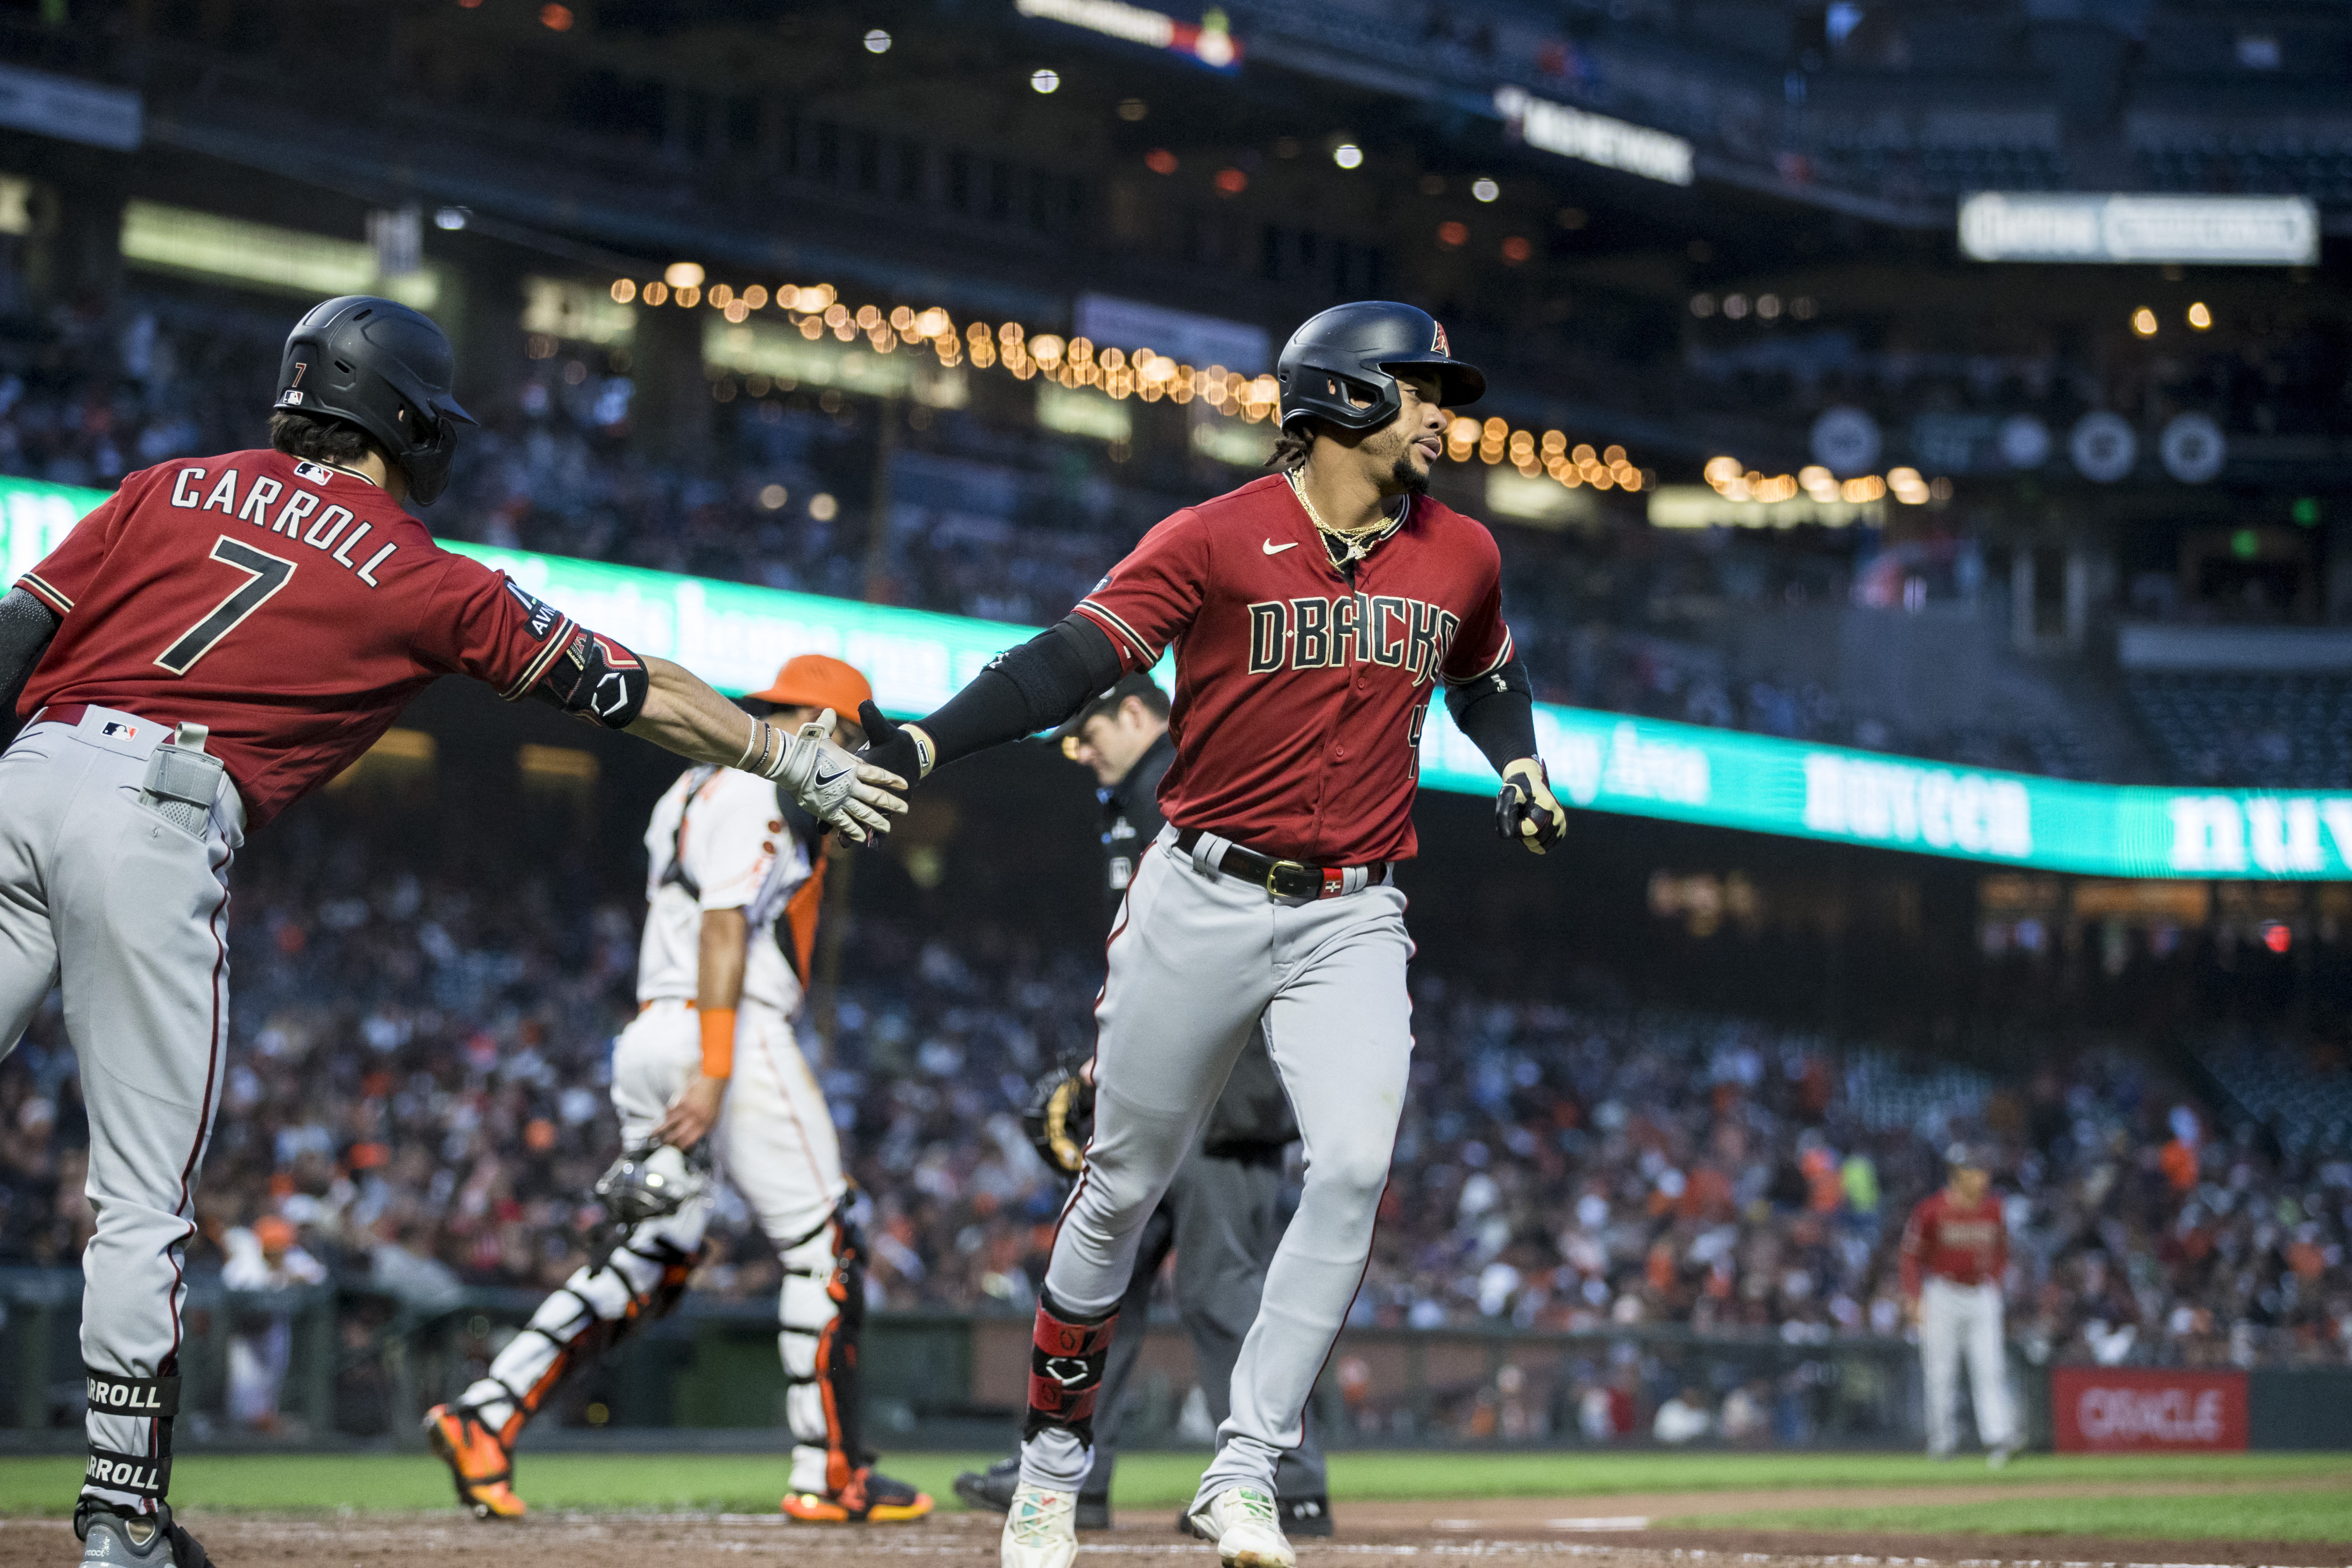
[1312,615]
[214,643]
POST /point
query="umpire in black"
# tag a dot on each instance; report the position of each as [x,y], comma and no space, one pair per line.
[1221,1213]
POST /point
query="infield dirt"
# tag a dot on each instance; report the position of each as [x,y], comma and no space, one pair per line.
[1527,1531]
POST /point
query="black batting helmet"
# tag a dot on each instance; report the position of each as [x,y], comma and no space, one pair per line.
[386,369]
[1353,351]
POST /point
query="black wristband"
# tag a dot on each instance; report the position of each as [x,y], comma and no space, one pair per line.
[1034,686]
[1497,711]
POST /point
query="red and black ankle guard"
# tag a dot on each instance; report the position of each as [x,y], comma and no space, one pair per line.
[1065,1371]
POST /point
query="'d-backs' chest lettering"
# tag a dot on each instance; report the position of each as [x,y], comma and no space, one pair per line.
[1325,631]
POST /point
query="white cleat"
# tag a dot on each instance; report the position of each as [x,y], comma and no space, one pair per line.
[1041,1528]
[1242,1520]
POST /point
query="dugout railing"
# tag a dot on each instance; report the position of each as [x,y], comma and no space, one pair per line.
[356,1363]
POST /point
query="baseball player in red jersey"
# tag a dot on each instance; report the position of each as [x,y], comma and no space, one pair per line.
[210,645]
[1313,615]
[1957,1240]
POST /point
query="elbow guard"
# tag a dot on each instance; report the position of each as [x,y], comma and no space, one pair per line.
[596,679]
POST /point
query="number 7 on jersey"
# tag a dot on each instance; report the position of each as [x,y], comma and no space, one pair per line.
[267,574]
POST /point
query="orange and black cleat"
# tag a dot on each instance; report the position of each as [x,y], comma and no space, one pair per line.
[868,1499]
[477,1462]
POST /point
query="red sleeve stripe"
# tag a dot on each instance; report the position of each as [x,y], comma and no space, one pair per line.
[1143,652]
[564,627]
[1502,658]
[46,594]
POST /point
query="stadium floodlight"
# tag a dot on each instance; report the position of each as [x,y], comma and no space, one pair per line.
[2032,226]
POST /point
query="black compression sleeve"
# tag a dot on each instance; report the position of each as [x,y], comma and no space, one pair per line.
[1497,711]
[1034,686]
[25,627]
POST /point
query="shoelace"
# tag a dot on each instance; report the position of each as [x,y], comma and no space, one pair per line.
[1255,1504]
[1033,1522]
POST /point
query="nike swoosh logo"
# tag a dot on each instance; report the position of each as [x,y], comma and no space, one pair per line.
[825,778]
[1274,549]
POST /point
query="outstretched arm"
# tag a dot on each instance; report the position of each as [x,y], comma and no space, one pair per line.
[1497,711]
[1034,686]
[598,680]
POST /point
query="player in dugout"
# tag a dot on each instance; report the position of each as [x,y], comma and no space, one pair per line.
[221,637]
[1313,612]
[1221,1215]
[709,1082]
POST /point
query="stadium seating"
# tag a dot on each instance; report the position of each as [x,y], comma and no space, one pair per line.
[2279,732]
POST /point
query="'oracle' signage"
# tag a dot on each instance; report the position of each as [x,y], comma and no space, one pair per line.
[2100,1409]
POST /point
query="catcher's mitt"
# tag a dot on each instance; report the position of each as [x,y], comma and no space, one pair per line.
[1059,1120]
[648,1182]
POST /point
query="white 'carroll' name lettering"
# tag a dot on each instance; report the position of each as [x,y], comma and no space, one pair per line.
[321,535]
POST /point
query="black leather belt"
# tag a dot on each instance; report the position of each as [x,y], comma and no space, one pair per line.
[1283,879]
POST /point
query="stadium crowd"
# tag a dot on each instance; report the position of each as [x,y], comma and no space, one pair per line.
[416,1090]
[999,519]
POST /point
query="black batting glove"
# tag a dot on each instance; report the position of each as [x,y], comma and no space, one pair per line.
[894,746]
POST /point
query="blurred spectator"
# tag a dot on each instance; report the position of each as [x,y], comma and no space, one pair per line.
[1684,1418]
[264,1257]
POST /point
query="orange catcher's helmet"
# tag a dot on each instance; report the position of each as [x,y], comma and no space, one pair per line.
[818,680]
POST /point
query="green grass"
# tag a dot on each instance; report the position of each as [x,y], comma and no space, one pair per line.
[751,1483]
[2248,1517]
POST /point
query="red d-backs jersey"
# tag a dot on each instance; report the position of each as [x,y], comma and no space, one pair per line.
[293,607]
[1299,695]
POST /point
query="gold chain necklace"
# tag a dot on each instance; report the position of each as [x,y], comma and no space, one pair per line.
[1358,547]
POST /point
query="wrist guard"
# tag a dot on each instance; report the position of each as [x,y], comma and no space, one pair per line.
[718,1041]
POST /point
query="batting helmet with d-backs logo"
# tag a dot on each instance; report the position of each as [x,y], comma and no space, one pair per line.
[386,369]
[1342,364]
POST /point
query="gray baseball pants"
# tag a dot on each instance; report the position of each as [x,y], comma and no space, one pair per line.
[129,913]
[1223,1220]
[1198,961]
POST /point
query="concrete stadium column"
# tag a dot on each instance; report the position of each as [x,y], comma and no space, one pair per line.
[80,260]
[2021,597]
[672,404]
[488,324]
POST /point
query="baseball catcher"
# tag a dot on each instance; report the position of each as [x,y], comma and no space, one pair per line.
[710,1081]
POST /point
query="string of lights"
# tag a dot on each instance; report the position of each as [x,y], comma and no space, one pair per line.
[1735,482]
[815,309]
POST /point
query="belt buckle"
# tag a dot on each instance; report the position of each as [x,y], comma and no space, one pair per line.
[1305,884]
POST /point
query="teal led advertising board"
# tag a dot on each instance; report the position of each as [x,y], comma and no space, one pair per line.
[734,636]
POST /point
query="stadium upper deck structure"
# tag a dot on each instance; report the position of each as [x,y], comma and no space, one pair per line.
[1693,242]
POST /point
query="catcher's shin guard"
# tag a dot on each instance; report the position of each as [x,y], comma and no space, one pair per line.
[822,1311]
[586,1315]
[1065,1369]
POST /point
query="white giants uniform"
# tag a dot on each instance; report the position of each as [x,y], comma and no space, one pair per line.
[719,840]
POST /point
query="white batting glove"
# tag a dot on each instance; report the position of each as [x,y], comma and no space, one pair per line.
[830,783]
